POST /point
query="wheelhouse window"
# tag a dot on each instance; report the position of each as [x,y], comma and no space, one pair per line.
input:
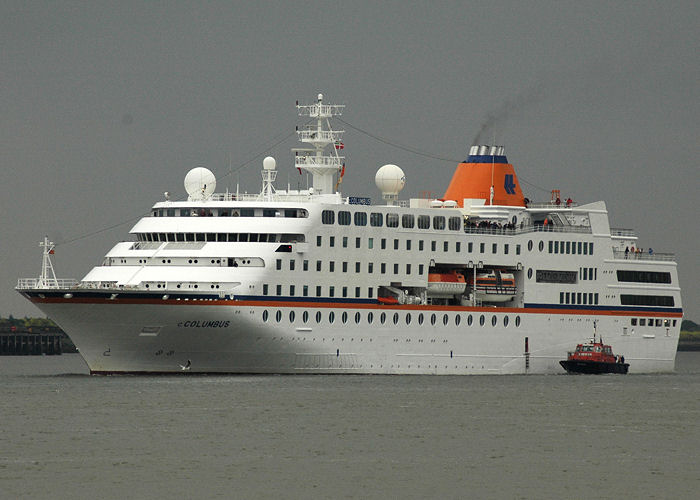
[376,219]
[344,218]
[392,220]
[455,223]
[423,222]
[328,217]
[360,219]
[407,221]
[439,222]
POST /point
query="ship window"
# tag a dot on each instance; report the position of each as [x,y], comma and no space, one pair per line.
[392,220]
[278,316]
[505,321]
[360,219]
[494,320]
[265,315]
[331,291]
[305,316]
[370,317]
[458,319]
[585,248]
[331,316]
[345,267]
[494,248]
[357,292]
[517,321]
[370,267]
[642,321]
[470,247]
[253,237]
[357,267]
[420,319]
[420,245]
[344,218]
[269,212]
[505,248]
[643,276]
[184,212]
[291,316]
[305,290]
[556,247]
[408,268]
[376,219]
[408,318]
[396,244]
[567,298]
[432,319]
[383,268]
[423,222]
[318,265]
[292,264]
[305,265]
[265,289]
[291,212]
[345,241]
[482,247]
[382,318]
[541,246]
[279,290]
[517,249]
[383,244]
[438,222]
[344,317]
[633,321]
[319,239]
[561,297]
[433,245]
[590,248]
[470,320]
[233,237]
[358,242]
[358,316]
[331,266]
[345,291]
[278,264]
[551,247]
[647,300]
[318,315]
[370,292]
[445,246]
[221,237]
[407,221]
[529,246]
[568,247]
[408,244]
[332,241]
[396,268]
[454,223]
[318,293]
[482,320]
[244,212]
[396,318]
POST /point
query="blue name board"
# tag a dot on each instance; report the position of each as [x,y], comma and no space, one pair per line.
[357,200]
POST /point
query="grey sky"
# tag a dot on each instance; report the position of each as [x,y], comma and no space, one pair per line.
[106,105]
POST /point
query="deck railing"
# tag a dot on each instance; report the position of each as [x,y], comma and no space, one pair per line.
[620,254]
[29,283]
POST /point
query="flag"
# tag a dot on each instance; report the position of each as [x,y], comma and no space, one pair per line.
[342,172]
[299,170]
[339,145]
[51,251]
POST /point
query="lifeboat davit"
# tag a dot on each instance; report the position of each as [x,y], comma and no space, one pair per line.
[446,284]
[493,286]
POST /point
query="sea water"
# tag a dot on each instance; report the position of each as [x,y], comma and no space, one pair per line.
[65,434]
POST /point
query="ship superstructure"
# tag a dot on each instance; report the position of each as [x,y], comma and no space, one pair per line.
[308,281]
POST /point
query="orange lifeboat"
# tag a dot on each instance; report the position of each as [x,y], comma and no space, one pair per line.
[446,284]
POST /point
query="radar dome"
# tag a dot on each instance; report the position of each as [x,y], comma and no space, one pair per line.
[200,183]
[269,163]
[390,179]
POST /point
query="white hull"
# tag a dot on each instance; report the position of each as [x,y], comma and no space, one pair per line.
[153,338]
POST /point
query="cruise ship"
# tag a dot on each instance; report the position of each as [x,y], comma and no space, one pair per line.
[479,281]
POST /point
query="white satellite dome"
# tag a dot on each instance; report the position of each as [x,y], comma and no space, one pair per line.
[200,183]
[390,179]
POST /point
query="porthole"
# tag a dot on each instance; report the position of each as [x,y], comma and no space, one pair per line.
[458,319]
[370,317]
[470,320]
[529,246]
[305,316]
[420,319]
[278,316]
[331,317]
[318,316]
[505,320]
[529,274]
[291,316]
[358,316]
[482,320]
[408,318]
[445,319]
[196,261]
[494,320]
[344,317]
[382,318]
[517,321]
[265,316]
[541,245]
[432,319]
[396,318]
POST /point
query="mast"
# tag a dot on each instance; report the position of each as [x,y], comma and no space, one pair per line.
[322,166]
[48,277]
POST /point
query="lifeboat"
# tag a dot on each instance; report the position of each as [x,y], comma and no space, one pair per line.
[594,357]
[446,284]
[493,285]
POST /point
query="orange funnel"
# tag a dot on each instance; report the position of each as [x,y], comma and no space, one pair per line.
[474,178]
